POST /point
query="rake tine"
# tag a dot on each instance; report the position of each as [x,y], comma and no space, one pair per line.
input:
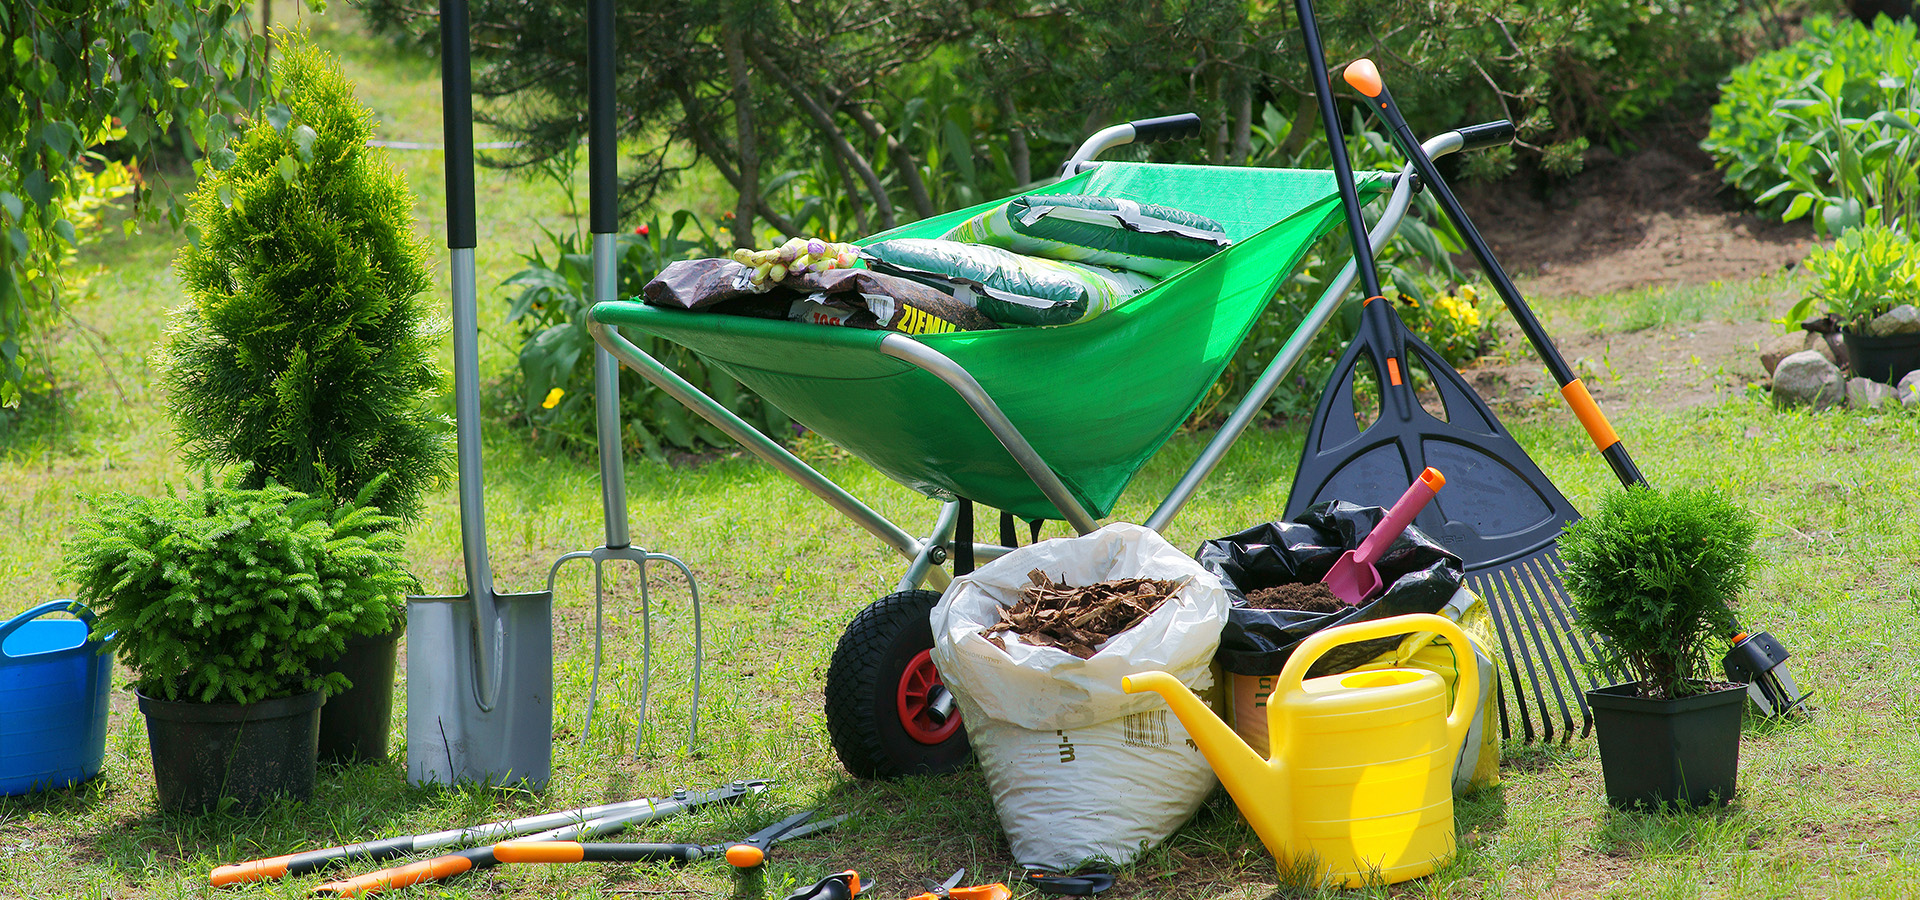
[1555,597]
[1559,603]
[1489,590]
[1500,703]
[1514,597]
[1538,621]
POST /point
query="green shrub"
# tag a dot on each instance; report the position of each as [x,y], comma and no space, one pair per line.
[305,350]
[1655,575]
[1868,271]
[229,594]
[1829,125]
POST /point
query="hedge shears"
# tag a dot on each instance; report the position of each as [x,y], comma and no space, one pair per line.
[626,813]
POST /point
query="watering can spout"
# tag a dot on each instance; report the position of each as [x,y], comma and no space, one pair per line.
[1243,772]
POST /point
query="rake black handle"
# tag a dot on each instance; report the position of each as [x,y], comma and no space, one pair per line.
[1365,78]
[1342,172]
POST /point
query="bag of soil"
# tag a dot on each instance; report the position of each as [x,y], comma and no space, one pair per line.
[1080,770]
[1006,287]
[1104,231]
[854,298]
[1420,575]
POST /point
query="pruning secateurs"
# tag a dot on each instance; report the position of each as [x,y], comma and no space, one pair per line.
[743,854]
[946,890]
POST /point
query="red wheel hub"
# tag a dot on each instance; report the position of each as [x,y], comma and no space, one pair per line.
[914,698]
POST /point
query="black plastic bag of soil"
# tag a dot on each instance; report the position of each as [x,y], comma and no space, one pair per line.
[1420,575]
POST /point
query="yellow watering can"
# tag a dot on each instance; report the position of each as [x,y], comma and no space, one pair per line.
[1360,786]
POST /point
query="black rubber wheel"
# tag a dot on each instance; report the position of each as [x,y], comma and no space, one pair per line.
[884,697]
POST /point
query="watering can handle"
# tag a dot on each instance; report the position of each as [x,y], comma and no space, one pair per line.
[1459,717]
[75,607]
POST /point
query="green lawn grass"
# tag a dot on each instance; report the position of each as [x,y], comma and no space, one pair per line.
[1825,806]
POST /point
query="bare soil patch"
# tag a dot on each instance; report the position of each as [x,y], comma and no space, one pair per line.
[1657,216]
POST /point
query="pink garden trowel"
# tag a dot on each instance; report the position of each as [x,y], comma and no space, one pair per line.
[1353,577]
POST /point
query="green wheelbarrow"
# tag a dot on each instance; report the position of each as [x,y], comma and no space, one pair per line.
[1038,423]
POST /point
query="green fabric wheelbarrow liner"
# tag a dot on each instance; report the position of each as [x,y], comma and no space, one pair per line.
[1096,399]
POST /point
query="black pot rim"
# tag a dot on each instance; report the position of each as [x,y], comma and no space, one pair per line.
[1626,695]
[185,711]
[1910,339]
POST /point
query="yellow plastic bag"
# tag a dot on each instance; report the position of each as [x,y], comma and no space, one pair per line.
[1479,763]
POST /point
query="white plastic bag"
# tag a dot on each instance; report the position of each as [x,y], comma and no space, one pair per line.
[1078,769]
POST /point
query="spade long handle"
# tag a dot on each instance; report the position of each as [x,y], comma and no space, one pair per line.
[1364,76]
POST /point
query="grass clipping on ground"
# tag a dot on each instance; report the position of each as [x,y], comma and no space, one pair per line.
[1079,619]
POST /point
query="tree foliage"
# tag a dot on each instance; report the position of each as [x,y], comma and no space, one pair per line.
[305,348]
[761,89]
[81,73]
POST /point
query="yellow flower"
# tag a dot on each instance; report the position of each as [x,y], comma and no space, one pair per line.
[1451,307]
[1468,294]
[553,398]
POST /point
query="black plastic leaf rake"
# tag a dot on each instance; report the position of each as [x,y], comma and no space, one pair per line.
[1534,580]
[1503,518]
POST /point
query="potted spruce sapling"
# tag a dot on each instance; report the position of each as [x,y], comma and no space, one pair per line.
[306,348]
[1656,576]
[224,596]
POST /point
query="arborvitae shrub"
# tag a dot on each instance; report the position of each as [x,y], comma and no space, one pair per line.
[305,348]
[1656,575]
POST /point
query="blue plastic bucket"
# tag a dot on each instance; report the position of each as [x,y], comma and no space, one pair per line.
[53,699]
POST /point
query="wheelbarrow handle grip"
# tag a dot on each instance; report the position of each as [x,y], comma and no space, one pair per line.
[1486,134]
[1165,128]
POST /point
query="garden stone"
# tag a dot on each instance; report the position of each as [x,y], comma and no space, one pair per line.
[1902,319]
[1909,389]
[1865,393]
[1807,379]
[1780,346]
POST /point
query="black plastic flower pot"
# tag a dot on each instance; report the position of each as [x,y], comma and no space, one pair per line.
[1882,359]
[356,723]
[1659,752]
[255,753]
